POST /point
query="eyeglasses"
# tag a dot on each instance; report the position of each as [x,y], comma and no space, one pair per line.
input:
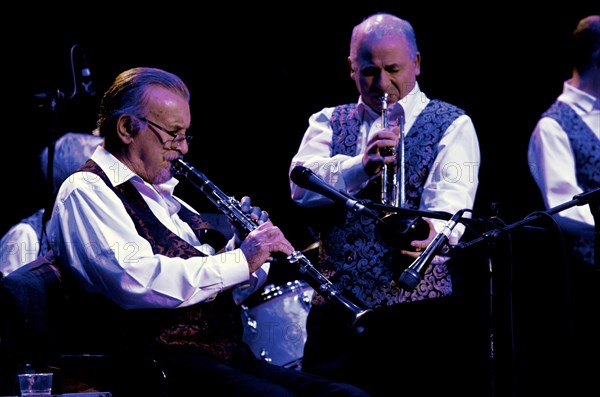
[177,138]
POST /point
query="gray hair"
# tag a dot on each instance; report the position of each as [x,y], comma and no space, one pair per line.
[71,151]
[127,95]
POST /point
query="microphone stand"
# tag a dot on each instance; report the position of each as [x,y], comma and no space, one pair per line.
[401,225]
[55,108]
[594,204]
[591,197]
[442,215]
[406,211]
[580,199]
[398,226]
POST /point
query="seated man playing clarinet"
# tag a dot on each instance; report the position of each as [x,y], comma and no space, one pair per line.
[123,238]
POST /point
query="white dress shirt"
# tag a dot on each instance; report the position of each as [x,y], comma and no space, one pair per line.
[20,245]
[552,164]
[450,186]
[91,231]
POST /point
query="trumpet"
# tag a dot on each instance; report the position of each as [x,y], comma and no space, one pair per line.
[231,207]
[396,229]
[392,189]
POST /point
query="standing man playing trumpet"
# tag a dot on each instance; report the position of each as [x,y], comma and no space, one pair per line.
[347,147]
[123,237]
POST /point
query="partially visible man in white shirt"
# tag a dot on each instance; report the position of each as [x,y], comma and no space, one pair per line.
[564,149]
[25,240]
[564,159]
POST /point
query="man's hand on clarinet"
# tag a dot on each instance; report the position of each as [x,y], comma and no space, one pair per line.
[259,245]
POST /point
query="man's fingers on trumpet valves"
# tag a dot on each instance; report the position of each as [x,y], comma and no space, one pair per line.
[382,148]
[388,151]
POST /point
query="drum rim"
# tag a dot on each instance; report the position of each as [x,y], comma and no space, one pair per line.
[283,289]
[271,291]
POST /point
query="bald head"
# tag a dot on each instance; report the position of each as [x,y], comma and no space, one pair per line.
[376,26]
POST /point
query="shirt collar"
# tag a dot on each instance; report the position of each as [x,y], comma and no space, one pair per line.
[119,173]
[576,97]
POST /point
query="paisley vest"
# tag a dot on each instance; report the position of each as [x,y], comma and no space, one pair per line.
[214,326]
[586,149]
[351,254]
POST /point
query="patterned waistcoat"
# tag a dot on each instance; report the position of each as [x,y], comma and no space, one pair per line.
[352,255]
[212,326]
[586,149]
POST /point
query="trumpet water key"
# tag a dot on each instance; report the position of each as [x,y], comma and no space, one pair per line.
[232,209]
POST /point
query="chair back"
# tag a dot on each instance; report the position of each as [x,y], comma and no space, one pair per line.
[32,303]
[41,324]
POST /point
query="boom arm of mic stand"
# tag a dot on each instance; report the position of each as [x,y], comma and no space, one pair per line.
[408,212]
[580,199]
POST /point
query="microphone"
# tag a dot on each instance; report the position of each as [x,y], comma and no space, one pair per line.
[86,75]
[306,178]
[51,95]
[411,277]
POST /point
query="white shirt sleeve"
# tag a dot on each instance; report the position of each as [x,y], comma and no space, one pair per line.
[552,166]
[91,230]
[343,172]
[19,246]
[453,180]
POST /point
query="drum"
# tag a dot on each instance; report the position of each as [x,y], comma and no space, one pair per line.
[275,323]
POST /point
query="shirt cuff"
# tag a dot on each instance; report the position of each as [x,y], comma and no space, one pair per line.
[235,268]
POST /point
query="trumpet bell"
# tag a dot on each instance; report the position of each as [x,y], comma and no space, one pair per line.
[398,231]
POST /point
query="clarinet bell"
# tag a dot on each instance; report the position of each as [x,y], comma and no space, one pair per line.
[398,231]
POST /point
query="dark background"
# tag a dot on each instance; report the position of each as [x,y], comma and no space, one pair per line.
[257,73]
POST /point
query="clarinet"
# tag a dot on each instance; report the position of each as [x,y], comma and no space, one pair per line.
[232,209]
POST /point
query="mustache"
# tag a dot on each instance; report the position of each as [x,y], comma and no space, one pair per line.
[172,157]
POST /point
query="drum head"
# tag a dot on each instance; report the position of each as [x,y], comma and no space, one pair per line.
[275,324]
